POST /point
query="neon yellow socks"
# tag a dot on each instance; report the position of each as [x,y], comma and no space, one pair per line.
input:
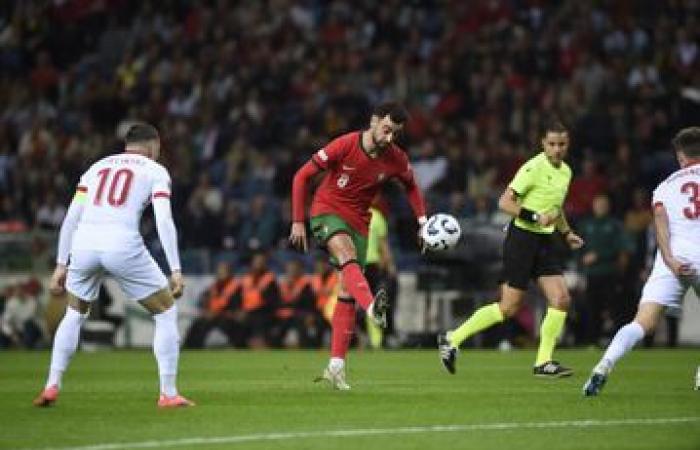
[551,328]
[483,318]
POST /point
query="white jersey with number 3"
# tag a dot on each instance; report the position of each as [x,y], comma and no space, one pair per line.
[680,196]
[118,188]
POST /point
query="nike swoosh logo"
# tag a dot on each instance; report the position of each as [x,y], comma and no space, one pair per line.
[348,167]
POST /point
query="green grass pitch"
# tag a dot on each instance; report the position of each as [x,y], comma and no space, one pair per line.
[399,400]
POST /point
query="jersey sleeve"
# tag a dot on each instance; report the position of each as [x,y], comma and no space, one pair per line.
[330,156]
[408,179]
[162,185]
[524,179]
[658,197]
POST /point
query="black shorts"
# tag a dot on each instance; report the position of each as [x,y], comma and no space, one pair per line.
[528,255]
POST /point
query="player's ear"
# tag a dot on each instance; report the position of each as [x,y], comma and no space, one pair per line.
[373,121]
[681,159]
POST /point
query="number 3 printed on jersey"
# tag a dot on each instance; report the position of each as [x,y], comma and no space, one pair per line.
[118,187]
[693,189]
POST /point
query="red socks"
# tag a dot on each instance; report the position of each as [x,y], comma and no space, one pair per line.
[356,284]
[342,325]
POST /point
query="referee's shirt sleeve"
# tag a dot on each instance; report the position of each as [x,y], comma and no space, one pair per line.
[523,180]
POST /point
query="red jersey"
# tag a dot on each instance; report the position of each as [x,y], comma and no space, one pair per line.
[353,178]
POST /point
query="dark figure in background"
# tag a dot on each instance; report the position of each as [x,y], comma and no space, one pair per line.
[601,265]
[259,294]
[216,311]
[296,311]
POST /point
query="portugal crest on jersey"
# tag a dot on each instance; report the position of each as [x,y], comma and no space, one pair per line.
[343,180]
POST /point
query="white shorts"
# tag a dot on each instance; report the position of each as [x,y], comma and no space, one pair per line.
[665,288]
[135,270]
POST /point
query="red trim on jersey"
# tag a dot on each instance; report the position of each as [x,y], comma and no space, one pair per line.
[161,194]
[658,204]
[81,189]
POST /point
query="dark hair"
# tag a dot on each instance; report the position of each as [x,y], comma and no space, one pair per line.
[141,132]
[555,125]
[687,141]
[396,112]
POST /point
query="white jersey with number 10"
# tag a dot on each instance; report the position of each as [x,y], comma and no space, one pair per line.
[118,188]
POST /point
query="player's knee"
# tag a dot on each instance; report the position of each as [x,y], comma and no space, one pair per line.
[158,302]
[561,300]
[509,307]
[77,304]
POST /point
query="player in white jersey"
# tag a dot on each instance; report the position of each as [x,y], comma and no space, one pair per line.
[676,205]
[101,236]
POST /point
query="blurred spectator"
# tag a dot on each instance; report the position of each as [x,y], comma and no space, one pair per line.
[49,215]
[204,214]
[259,294]
[600,260]
[216,310]
[18,324]
[326,285]
[584,188]
[297,322]
[260,229]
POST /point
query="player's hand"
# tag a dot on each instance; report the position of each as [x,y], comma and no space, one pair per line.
[589,258]
[297,237]
[57,285]
[177,283]
[547,219]
[680,268]
[575,241]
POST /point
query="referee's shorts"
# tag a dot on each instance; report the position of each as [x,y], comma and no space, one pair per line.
[528,255]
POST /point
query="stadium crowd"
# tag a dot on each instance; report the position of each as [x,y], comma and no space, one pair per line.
[244,92]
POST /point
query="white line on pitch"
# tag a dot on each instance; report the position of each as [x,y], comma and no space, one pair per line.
[581,423]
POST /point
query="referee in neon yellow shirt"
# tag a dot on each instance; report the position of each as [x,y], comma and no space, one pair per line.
[534,198]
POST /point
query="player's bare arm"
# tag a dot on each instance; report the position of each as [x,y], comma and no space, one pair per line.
[663,239]
[509,203]
[574,241]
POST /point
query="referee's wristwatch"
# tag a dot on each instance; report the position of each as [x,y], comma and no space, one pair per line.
[529,215]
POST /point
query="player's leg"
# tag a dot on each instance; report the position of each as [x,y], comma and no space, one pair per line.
[554,289]
[519,251]
[342,329]
[482,319]
[348,250]
[342,248]
[65,344]
[142,280]
[82,285]
[166,345]
[625,339]
[662,289]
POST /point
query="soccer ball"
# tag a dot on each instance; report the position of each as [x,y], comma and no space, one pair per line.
[441,232]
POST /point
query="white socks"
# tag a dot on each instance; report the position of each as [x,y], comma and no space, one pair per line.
[64,345]
[166,348]
[336,364]
[625,338]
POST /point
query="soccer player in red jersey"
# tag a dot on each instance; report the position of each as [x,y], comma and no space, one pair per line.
[356,165]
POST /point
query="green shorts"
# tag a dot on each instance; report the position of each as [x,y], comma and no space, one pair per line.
[326,226]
